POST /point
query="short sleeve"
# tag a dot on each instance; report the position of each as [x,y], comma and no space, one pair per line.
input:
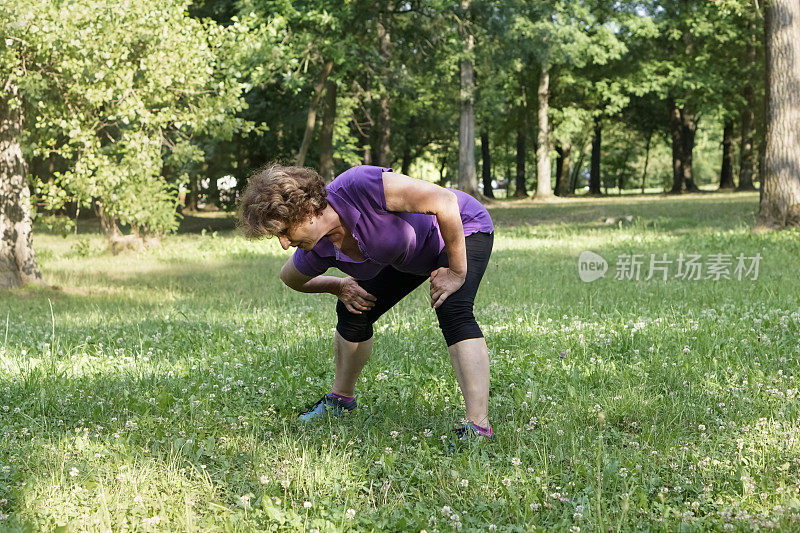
[309,263]
[367,182]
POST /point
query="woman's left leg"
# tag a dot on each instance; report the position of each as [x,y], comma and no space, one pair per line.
[470,360]
[468,352]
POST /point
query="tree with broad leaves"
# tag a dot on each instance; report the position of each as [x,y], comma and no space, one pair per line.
[115,114]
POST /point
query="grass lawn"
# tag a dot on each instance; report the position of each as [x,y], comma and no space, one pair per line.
[159,391]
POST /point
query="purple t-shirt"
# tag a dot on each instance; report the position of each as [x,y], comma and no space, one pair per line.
[410,242]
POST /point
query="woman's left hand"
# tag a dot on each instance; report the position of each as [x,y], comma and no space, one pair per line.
[444,282]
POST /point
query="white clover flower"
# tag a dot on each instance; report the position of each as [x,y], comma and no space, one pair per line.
[74,472]
[152,521]
[464,482]
[307,505]
[263,480]
[394,434]
[350,514]
[506,481]
[516,461]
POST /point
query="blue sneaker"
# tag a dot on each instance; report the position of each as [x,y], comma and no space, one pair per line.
[469,432]
[327,405]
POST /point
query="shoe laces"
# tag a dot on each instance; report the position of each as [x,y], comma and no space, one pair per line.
[314,405]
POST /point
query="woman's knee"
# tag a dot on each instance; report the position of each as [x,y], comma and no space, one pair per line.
[458,332]
[353,327]
[457,321]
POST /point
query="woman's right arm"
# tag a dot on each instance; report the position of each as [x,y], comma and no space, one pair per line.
[355,298]
[300,282]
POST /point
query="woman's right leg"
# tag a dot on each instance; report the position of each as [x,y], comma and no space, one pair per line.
[350,358]
[353,338]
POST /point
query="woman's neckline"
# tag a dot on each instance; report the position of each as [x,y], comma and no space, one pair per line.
[347,231]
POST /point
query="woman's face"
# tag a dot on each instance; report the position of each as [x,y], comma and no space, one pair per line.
[301,235]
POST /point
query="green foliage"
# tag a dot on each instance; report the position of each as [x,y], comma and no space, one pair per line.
[223,87]
[112,89]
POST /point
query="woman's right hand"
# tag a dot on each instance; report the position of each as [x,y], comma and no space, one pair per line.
[354,297]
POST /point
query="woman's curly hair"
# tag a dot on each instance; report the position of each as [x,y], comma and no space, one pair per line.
[278,196]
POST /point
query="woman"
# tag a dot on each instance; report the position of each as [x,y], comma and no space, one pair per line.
[389,233]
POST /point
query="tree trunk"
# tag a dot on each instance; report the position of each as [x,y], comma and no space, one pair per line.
[621,174]
[578,168]
[107,224]
[520,188]
[193,193]
[747,164]
[689,133]
[311,119]
[508,169]
[326,133]
[780,203]
[406,161]
[17,260]
[726,173]
[212,196]
[384,150]
[486,166]
[676,131]
[559,167]
[563,165]
[646,159]
[543,186]
[467,175]
[597,145]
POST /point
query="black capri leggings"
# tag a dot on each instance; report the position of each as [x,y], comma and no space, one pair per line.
[390,286]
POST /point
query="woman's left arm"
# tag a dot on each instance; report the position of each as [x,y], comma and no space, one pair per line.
[411,195]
